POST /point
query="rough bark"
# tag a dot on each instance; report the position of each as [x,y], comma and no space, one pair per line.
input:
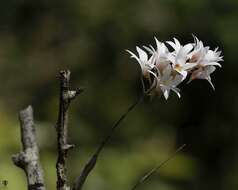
[66,95]
[28,159]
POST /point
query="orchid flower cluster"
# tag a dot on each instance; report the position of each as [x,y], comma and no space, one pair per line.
[164,70]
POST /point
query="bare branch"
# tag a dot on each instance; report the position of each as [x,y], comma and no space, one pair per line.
[29,158]
[93,159]
[66,95]
[152,171]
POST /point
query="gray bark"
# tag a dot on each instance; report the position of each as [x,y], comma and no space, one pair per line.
[28,159]
[66,95]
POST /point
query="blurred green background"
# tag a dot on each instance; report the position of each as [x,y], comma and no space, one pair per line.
[89,37]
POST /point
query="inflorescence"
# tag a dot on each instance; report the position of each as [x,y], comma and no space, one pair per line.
[163,70]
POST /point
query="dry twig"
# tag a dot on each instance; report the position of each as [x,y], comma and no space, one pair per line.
[29,159]
[66,96]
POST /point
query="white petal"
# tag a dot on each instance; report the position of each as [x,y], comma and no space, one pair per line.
[163,48]
[158,43]
[203,73]
[189,66]
[148,49]
[183,73]
[142,54]
[177,42]
[166,94]
[133,55]
[176,90]
[196,40]
[152,48]
[210,82]
[187,48]
[210,69]
[166,72]
[153,74]
[178,79]
[212,63]
[171,58]
[172,44]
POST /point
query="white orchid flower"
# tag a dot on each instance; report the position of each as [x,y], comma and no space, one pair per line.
[198,52]
[160,53]
[145,63]
[206,61]
[212,58]
[163,70]
[203,56]
[168,80]
[179,57]
[204,73]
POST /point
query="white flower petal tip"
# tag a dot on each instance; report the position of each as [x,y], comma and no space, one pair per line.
[156,40]
[166,94]
[128,51]
[142,54]
[210,82]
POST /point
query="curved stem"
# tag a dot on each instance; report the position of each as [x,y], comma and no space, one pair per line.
[153,170]
[93,159]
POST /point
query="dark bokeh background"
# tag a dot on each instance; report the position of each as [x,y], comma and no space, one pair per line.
[39,38]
